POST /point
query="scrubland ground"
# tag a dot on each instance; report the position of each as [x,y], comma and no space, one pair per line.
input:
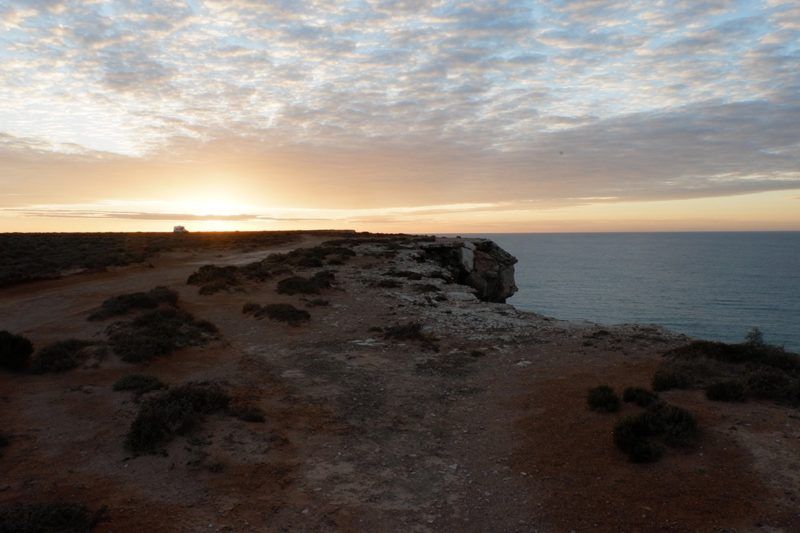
[475,422]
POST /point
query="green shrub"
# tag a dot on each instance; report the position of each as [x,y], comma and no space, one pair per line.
[123,304]
[285,313]
[300,285]
[754,337]
[638,435]
[632,436]
[248,413]
[726,391]
[15,351]
[639,396]
[771,384]
[48,518]
[60,356]
[251,308]
[173,412]
[666,379]
[213,274]
[753,351]
[139,384]
[603,399]
[676,426]
[157,333]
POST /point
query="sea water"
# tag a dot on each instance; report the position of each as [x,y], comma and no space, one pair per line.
[707,285]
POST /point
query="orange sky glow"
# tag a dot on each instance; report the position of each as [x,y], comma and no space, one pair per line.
[432,117]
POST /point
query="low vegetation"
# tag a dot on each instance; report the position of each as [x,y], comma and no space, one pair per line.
[5,440]
[212,279]
[282,312]
[56,517]
[28,257]
[639,396]
[603,399]
[60,356]
[733,372]
[125,303]
[642,436]
[413,331]
[138,384]
[15,351]
[157,333]
[300,285]
[726,391]
[173,412]
[247,413]
[315,257]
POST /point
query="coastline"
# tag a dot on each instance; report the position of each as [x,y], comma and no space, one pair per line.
[477,422]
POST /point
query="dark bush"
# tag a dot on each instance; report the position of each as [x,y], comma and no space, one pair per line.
[676,426]
[158,333]
[214,274]
[772,384]
[301,285]
[60,356]
[412,332]
[318,302]
[603,399]
[284,313]
[666,379]
[5,440]
[632,435]
[138,384]
[638,435]
[248,413]
[48,518]
[123,304]
[726,391]
[15,351]
[26,256]
[639,396]
[748,352]
[312,257]
[251,308]
[173,412]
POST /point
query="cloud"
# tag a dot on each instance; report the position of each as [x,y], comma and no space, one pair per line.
[398,102]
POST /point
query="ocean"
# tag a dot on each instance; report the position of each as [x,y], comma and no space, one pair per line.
[708,285]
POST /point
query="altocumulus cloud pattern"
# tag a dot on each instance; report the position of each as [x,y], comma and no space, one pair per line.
[553,100]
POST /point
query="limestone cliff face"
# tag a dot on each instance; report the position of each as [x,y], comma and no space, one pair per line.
[479,263]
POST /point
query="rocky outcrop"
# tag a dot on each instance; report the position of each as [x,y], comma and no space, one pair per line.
[479,263]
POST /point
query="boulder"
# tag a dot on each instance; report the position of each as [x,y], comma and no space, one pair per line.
[479,263]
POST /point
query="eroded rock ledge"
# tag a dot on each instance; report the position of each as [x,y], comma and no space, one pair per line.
[479,263]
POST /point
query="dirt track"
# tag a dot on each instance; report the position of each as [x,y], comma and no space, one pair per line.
[368,434]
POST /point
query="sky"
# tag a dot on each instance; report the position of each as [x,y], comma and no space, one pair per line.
[400,115]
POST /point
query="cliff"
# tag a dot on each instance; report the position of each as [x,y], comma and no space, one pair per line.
[479,263]
[370,383]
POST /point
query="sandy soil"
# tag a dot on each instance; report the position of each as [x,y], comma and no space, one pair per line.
[367,434]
